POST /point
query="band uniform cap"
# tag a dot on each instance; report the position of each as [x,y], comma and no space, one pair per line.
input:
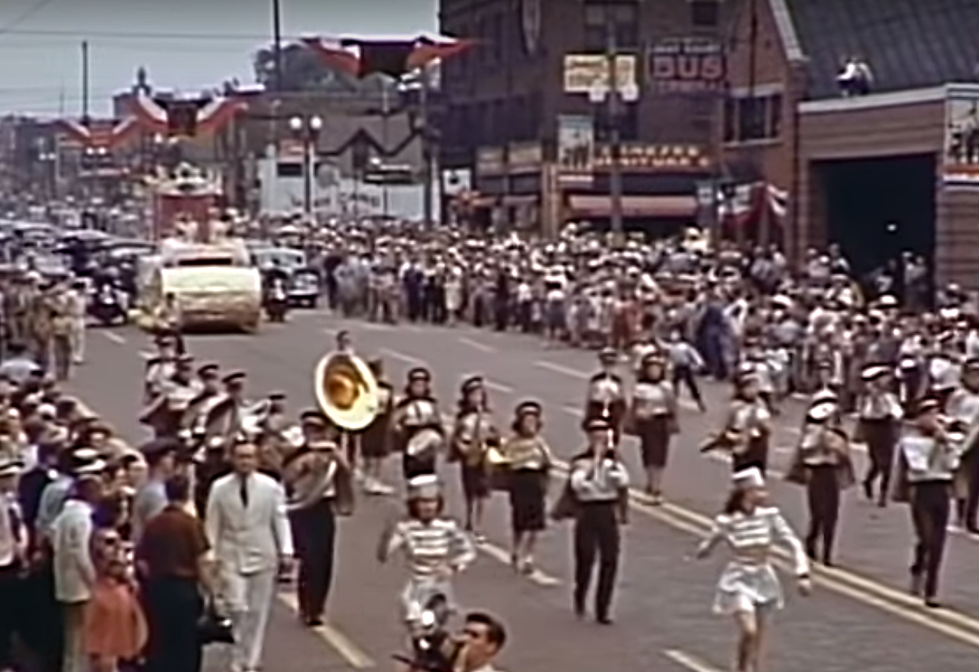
[185,358]
[10,467]
[749,478]
[824,395]
[419,373]
[970,365]
[528,408]
[908,363]
[652,357]
[472,383]
[426,486]
[93,468]
[874,372]
[926,405]
[208,369]
[278,396]
[608,355]
[887,301]
[47,410]
[234,377]
[821,412]
[598,424]
[313,416]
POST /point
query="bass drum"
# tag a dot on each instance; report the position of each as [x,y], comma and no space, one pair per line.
[425,442]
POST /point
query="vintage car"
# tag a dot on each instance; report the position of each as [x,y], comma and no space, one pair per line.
[302,282]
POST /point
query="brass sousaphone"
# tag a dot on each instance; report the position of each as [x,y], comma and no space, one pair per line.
[346,391]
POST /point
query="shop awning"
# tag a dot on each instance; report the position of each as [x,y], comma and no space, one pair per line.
[587,205]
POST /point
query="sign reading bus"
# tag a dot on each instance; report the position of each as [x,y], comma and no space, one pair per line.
[687,65]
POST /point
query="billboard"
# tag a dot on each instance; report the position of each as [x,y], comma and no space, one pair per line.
[686,65]
[585,72]
[576,149]
[961,160]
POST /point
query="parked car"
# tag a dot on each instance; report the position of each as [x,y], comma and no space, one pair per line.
[304,288]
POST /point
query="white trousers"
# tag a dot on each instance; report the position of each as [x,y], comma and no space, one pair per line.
[249,601]
[78,340]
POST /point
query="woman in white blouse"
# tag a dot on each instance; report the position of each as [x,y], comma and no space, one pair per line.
[749,589]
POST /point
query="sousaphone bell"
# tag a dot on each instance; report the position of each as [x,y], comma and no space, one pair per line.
[346,391]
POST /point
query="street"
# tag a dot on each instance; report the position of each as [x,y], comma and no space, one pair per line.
[859,618]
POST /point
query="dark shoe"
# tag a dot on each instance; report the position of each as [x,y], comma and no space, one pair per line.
[313,621]
[932,603]
[603,620]
[868,490]
[579,607]
[827,561]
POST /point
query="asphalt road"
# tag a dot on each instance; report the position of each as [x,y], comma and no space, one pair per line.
[859,618]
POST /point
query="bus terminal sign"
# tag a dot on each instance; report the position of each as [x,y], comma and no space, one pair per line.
[687,65]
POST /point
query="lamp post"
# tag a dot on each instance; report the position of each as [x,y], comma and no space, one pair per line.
[612,96]
[307,129]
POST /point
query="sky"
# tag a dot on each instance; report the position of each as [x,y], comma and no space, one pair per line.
[185,45]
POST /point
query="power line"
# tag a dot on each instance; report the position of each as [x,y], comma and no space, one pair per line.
[24,16]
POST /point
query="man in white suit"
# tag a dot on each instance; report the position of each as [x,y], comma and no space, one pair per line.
[249,532]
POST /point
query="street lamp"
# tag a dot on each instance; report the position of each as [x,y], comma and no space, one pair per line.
[612,95]
[307,129]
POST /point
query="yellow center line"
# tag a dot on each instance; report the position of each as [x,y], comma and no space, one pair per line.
[690,662]
[953,624]
[329,633]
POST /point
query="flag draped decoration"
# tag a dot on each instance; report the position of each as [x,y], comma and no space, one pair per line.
[99,133]
[186,117]
[395,58]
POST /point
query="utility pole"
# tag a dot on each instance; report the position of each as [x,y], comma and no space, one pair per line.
[85,84]
[429,186]
[614,136]
[757,113]
[277,42]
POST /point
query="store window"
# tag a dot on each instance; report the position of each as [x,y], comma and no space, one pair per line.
[705,13]
[624,19]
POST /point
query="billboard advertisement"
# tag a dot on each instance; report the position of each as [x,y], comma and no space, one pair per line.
[576,149]
[584,73]
[686,65]
[961,160]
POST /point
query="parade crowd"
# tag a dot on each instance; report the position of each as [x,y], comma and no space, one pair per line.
[141,556]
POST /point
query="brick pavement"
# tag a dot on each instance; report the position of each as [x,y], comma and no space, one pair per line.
[663,603]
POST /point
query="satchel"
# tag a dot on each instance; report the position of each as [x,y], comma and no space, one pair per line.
[213,628]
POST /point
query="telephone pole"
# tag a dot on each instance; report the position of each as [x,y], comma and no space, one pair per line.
[614,136]
[277,42]
[85,83]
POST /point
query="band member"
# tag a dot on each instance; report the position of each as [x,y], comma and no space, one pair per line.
[528,459]
[273,435]
[606,393]
[822,463]
[962,409]
[747,429]
[653,417]
[174,395]
[599,485]
[209,392]
[375,438]
[474,433]
[929,455]
[320,486]
[749,588]
[160,368]
[417,425]
[435,548]
[223,421]
[880,413]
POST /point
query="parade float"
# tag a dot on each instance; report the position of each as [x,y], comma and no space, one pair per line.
[199,261]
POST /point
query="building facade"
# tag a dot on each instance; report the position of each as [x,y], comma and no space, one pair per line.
[518,100]
[888,171]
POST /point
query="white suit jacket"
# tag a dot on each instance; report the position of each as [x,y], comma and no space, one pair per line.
[74,572]
[248,540]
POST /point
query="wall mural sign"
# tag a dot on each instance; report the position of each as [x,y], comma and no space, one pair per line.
[686,65]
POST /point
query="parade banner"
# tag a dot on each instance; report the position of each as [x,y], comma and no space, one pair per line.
[576,149]
[961,156]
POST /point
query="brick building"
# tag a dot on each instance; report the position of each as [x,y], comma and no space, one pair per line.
[506,96]
[889,171]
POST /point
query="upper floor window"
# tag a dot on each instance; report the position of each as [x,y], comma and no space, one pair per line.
[705,13]
[620,17]
[748,118]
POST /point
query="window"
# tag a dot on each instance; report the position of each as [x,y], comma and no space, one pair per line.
[705,13]
[753,118]
[288,169]
[624,17]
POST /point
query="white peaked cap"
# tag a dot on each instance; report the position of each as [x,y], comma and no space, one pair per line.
[748,478]
[426,486]
[822,411]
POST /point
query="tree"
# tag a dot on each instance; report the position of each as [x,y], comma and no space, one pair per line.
[302,70]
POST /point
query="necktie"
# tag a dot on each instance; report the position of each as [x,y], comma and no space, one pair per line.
[243,491]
